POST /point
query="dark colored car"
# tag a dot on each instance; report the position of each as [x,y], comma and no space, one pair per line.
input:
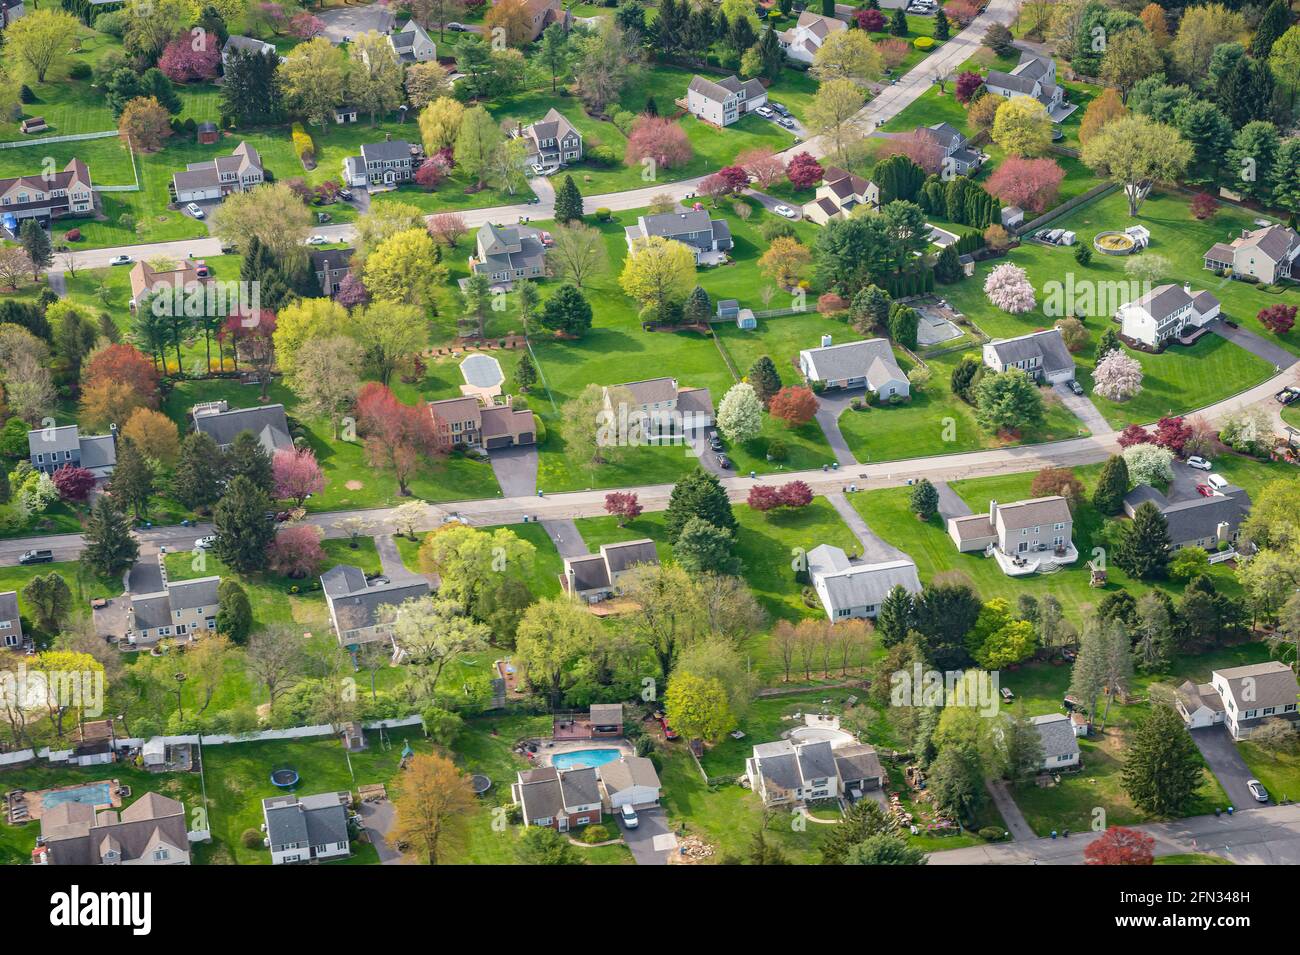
[37,557]
[724,462]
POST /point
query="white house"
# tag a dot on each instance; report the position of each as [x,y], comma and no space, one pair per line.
[217,178]
[1042,355]
[660,408]
[11,624]
[1025,536]
[708,238]
[868,363]
[839,194]
[1241,697]
[802,41]
[412,44]
[1034,76]
[307,828]
[849,589]
[722,102]
[1167,311]
[1060,746]
[629,781]
[784,773]
[1267,254]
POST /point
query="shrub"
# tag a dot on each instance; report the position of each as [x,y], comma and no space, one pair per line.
[302,144]
[603,214]
[777,450]
[923,42]
[992,834]
[79,70]
[72,235]
[251,838]
[594,833]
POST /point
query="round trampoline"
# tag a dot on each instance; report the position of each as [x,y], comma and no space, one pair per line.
[284,778]
[480,783]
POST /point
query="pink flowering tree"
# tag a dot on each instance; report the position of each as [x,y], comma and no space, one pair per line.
[916,146]
[73,484]
[764,497]
[1029,183]
[305,26]
[296,551]
[296,474]
[967,84]
[660,139]
[1008,288]
[185,61]
[352,291]
[804,171]
[1117,376]
[625,507]
[433,172]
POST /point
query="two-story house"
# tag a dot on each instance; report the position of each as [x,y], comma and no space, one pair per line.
[785,773]
[855,590]
[708,238]
[11,623]
[839,194]
[953,148]
[506,254]
[595,577]
[217,178]
[658,409]
[1267,254]
[153,830]
[355,605]
[186,278]
[1034,76]
[49,449]
[722,102]
[802,41]
[468,423]
[412,44]
[184,609]
[66,193]
[562,799]
[382,165]
[1208,521]
[1042,355]
[307,828]
[1058,740]
[1166,312]
[1025,536]
[552,142]
[331,267]
[223,424]
[868,363]
[1242,698]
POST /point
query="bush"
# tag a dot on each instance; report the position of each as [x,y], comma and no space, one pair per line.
[251,838]
[72,235]
[992,834]
[603,214]
[79,70]
[25,94]
[923,42]
[302,144]
[594,833]
[777,450]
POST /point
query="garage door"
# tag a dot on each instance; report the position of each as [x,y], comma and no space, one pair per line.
[526,437]
[501,442]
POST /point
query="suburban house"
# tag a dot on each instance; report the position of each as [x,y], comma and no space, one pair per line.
[153,830]
[722,102]
[354,604]
[628,781]
[507,253]
[802,41]
[552,141]
[709,238]
[542,13]
[785,772]
[330,267]
[868,363]
[185,279]
[244,44]
[52,448]
[1024,536]
[594,577]
[1268,254]
[1240,697]
[217,178]
[223,424]
[1166,312]
[185,608]
[660,408]
[1041,355]
[412,44]
[11,623]
[1207,521]
[1060,745]
[383,164]
[1034,76]
[66,193]
[306,828]
[839,194]
[957,155]
[848,589]
[559,798]
[10,10]
[467,422]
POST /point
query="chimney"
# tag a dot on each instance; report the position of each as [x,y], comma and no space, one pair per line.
[993,512]
[1222,533]
[1187,287]
[112,433]
[826,341]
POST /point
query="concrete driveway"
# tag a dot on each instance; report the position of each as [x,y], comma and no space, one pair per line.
[567,539]
[1225,762]
[1257,345]
[1081,407]
[874,548]
[516,470]
[653,841]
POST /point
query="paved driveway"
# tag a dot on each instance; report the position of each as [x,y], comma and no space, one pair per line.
[565,536]
[1225,762]
[1081,407]
[829,408]
[652,842]
[516,470]
[344,23]
[146,575]
[1257,345]
[950,502]
[874,548]
[378,818]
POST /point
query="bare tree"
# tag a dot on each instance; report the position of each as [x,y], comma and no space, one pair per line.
[276,659]
[577,253]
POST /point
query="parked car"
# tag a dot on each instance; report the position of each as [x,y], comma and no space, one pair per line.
[1287,395]
[1198,462]
[457,27]
[1055,236]
[345,194]
[120,260]
[715,442]
[317,239]
[202,271]
[785,211]
[787,122]
[193,209]
[1205,490]
[723,461]
[669,732]
[1257,790]
[779,108]
[203,543]
[628,815]
[37,557]
[1076,387]
[766,112]
[1217,481]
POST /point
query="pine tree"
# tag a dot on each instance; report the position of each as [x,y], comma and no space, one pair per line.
[1108,342]
[895,616]
[1276,20]
[763,378]
[924,499]
[243,532]
[1112,485]
[1143,551]
[109,546]
[698,494]
[568,202]
[247,458]
[948,269]
[132,480]
[36,243]
[6,490]
[870,309]
[1020,749]
[898,23]
[770,52]
[941,31]
[525,373]
[196,482]
[1162,766]
[828,8]
[698,308]
[234,612]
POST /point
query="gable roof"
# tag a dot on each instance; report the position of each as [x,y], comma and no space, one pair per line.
[851,360]
[539,793]
[1034,512]
[858,761]
[1047,345]
[1272,684]
[1194,518]
[578,786]
[1056,735]
[388,150]
[850,585]
[1277,242]
[628,772]
[268,423]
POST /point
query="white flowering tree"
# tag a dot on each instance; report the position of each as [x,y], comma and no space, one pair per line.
[1009,288]
[1117,376]
[1149,464]
[740,414]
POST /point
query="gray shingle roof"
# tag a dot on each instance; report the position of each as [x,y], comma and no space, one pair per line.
[191,594]
[268,423]
[539,792]
[849,360]
[858,761]
[628,772]
[9,605]
[619,557]
[1195,518]
[579,786]
[151,611]
[1273,684]
[1056,734]
[1048,346]
[815,761]
[388,150]
[858,585]
[316,820]
[586,573]
[1034,512]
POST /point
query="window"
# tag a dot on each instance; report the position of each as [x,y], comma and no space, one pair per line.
[6,624]
[160,855]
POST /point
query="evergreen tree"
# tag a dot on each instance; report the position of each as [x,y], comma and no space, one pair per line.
[154,82]
[1020,748]
[1275,21]
[898,23]
[701,547]
[1246,93]
[196,481]
[525,373]
[1143,550]
[1112,485]
[247,458]
[567,311]
[956,782]
[941,29]
[884,850]
[1162,766]
[234,612]
[36,243]
[109,546]
[763,378]
[568,202]
[863,820]
[132,480]
[251,94]
[924,499]
[898,177]
[6,490]
[828,8]
[1108,342]
[965,376]
[214,24]
[670,26]
[870,309]
[771,54]
[698,494]
[243,532]
[698,308]
[947,268]
[895,616]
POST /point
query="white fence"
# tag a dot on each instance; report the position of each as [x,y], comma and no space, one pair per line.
[71,138]
[21,756]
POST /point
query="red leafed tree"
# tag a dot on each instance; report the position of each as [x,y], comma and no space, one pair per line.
[1134,434]
[804,171]
[1120,846]
[831,303]
[304,25]
[660,139]
[448,227]
[873,21]
[1204,206]
[1172,433]
[296,551]
[624,506]
[397,436]
[916,146]
[963,11]
[893,51]
[967,84]
[122,364]
[796,494]
[1278,318]
[251,336]
[736,176]
[764,497]
[794,404]
[73,484]
[297,475]
[763,164]
[185,61]
[1029,183]
[432,172]
[715,187]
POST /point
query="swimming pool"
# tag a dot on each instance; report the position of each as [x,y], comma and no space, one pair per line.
[92,794]
[584,757]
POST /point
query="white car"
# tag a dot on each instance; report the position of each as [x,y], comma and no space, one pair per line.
[317,239]
[1198,462]
[120,260]
[784,211]
[628,815]
[203,543]
[1257,790]
[765,112]
[193,209]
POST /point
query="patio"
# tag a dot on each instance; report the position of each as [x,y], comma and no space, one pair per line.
[1035,562]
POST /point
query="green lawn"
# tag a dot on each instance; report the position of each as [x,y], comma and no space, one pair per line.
[542,576]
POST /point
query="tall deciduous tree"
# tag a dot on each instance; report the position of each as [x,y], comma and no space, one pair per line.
[433,807]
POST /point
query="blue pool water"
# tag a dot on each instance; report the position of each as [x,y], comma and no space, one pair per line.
[93,794]
[584,757]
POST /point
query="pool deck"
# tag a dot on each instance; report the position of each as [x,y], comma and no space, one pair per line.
[548,748]
[35,801]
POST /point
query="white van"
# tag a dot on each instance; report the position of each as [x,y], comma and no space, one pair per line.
[628,815]
[1216,481]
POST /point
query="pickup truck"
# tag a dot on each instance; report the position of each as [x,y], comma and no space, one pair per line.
[37,557]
